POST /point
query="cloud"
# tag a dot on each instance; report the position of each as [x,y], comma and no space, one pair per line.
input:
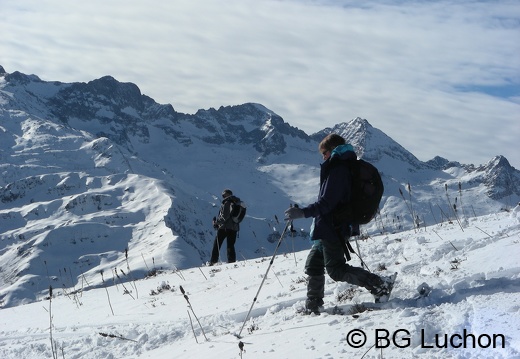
[429,74]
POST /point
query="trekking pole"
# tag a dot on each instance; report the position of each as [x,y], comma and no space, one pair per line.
[263,279]
[292,230]
[216,238]
[359,255]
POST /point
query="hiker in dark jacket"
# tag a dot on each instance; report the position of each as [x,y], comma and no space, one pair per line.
[226,228]
[327,252]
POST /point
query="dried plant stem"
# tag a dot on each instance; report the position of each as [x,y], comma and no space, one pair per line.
[448,241]
[411,203]
[192,328]
[433,214]
[191,308]
[108,296]
[452,207]
[460,197]
[123,284]
[409,210]
[144,260]
[116,336]
[483,232]
[130,273]
[178,272]
[203,274]
[54,353]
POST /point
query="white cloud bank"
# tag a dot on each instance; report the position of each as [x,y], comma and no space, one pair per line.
[429,74]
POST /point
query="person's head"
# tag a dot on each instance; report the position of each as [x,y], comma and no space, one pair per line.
[329,143]
[226,193]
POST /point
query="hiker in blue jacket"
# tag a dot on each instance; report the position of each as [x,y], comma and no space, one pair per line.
[327,252]
[226,228]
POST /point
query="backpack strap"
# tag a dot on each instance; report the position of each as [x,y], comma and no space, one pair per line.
[345,243]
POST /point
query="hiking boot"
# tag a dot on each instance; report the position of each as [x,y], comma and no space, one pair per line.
[312,305]
[382,293]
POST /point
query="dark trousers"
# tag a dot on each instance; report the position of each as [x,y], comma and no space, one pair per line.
[329,256]
[231,236]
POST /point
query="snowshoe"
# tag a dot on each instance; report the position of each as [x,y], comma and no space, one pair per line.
[382,294]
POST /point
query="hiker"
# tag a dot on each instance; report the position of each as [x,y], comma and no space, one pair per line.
[327,252]
[226,228]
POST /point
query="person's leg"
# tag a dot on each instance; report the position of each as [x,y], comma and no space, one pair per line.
[217,244]
[314,268]
[231,239]
[338,269]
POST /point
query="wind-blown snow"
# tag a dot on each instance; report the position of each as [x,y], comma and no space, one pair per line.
[472,267]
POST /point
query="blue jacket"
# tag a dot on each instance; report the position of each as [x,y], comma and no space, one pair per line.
[334,189]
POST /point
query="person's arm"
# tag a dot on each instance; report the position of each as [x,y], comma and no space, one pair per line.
[333,190]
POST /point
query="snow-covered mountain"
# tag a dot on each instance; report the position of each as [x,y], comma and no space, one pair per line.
[99,177]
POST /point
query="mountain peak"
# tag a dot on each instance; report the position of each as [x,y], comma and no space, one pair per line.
[371,144]
[361,123]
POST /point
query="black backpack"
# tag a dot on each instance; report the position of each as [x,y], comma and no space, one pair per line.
[366,193]
[238,210]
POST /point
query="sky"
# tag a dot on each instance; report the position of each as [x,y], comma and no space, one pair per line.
[439,77]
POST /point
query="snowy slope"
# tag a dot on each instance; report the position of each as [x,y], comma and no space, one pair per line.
[472,312]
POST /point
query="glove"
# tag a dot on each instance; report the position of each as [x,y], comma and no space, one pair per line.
[294,213]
